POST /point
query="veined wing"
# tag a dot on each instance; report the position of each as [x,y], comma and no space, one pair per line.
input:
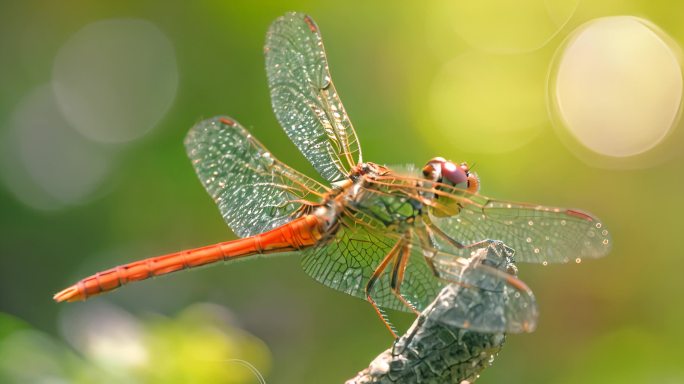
[253,190]
[539,234]
[304,98]
[347,261]
[487,298]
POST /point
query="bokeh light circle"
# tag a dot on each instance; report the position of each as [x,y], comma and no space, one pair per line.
[115,79]
[106,334]
[488,104]
[616,86]
[46,164]
[504,26]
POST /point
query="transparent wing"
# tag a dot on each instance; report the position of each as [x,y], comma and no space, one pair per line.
[253,190]
[304,98]
[538,234]
[487,298]
[348,260]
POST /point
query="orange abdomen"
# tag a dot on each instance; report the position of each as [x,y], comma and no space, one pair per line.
[300,233]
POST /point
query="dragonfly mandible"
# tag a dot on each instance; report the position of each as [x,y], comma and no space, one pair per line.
[392,238]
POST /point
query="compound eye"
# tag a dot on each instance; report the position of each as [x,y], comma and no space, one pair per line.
[454,174]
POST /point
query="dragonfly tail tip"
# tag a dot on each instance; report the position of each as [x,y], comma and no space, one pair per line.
[68,294]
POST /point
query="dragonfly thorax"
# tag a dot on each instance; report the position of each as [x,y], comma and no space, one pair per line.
[370,193]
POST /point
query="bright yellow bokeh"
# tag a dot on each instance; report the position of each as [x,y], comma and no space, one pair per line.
[488,104]
[617,87]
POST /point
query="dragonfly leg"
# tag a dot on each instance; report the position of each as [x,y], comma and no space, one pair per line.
[497,245]
[477,245]
[374,278]
[429,248]
[400,262]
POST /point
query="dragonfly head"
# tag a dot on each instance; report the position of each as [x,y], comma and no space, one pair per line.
[445,171]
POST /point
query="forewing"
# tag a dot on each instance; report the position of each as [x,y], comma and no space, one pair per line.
[304,98]
[538,234]
[347,261]
[253,190]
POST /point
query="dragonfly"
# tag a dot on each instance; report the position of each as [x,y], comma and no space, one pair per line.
[392,237]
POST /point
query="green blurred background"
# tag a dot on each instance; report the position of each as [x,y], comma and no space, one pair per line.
[89,182]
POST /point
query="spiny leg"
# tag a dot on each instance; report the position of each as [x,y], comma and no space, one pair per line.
[398,270]
[432,228]
[373,279]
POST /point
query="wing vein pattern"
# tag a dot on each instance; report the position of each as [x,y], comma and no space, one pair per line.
[305,100]
[254,191]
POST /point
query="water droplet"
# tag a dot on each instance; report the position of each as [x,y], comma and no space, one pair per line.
[562,222]
[530,222]
[529,239]
[598,225]
[605,242]
[578,260]
[326,81]
[268,160]
[545,263]
[604,232]
[536,250]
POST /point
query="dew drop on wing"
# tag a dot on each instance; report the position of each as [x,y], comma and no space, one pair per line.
[325,83]
[267,159]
